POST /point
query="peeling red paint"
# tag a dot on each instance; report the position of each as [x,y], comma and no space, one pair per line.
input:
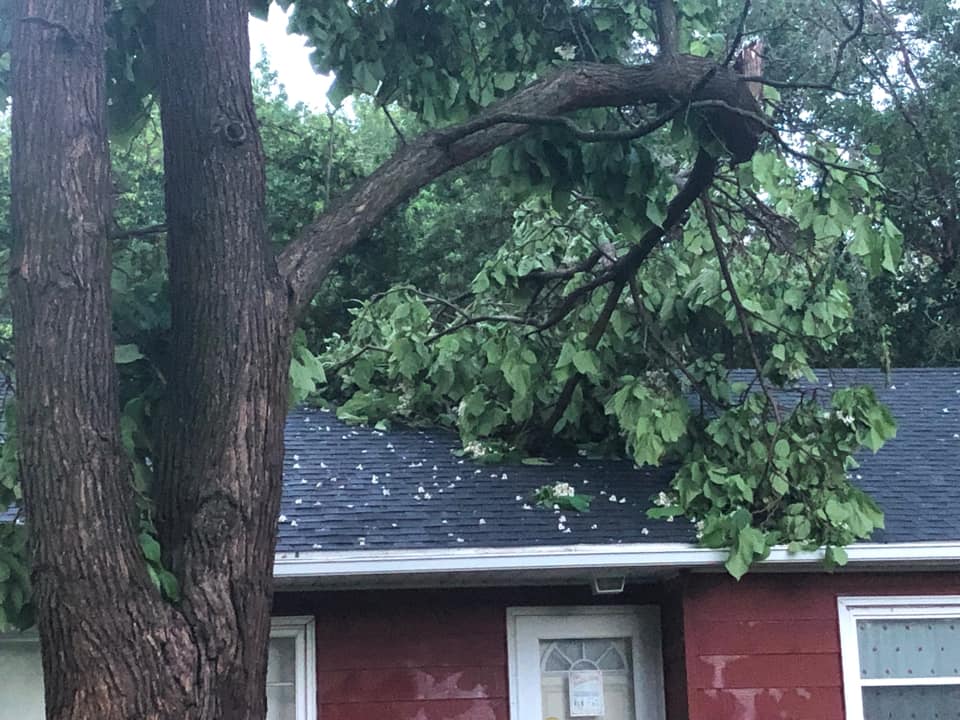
[768,648]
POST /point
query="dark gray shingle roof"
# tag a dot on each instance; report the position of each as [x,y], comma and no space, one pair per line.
[355,488]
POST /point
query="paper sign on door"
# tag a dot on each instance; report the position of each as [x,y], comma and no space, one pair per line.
[586,693]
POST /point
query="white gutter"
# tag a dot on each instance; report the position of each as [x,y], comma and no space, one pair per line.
[638,556]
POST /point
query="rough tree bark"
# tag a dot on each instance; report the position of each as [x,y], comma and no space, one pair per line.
[109,646]
[113,648]
[218,490]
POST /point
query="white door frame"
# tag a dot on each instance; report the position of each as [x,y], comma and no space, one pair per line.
[641,623]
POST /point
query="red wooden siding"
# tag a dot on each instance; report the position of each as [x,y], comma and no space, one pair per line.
[413,661]
[768,648]
[400,655]
[674,670]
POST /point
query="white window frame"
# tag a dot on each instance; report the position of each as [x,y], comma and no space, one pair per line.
[303,629]
[647,649]
[852,609]
[300,627]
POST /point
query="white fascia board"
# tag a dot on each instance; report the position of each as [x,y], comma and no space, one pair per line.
[639,556]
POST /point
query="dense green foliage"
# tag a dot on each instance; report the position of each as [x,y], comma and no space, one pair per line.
[900,90]
[495,369]
[457,310]
[454,225]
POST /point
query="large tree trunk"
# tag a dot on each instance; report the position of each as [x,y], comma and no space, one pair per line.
[110,645]
[113,649]
[221,457]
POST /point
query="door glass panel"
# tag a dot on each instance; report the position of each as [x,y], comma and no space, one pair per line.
[925,702]
[596,672]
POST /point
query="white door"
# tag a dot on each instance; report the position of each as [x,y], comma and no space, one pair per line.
[585,662]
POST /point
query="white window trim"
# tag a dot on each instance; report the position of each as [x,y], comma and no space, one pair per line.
[303,629]
[649,616]
[852,609]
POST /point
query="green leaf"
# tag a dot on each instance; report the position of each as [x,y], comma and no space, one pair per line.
[150,547]
[125,354]
[168,584]
[836,512]
[779,485]
[154,577]
[750,543]
[835,557]
[260,8]
[781,448]
[656,212]
[585,362]
[505,80]
[338,92]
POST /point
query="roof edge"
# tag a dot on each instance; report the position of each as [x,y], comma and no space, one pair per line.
[639,556]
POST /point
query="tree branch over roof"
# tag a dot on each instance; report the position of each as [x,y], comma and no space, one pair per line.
[307,260]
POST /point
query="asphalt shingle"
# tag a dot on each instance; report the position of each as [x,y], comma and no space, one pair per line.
[352,488]
[357,488]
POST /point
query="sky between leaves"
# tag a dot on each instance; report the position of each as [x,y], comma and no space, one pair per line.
[290,58]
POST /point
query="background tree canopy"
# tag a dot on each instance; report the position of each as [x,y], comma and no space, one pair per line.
[675,329]
[547,225]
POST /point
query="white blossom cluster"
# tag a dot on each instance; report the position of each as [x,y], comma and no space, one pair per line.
[562,489]
[847,420]
[476,449]
[664,499]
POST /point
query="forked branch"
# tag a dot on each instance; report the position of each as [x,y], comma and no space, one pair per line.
[307,260]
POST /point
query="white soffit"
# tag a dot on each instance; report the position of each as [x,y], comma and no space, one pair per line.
[646,558]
